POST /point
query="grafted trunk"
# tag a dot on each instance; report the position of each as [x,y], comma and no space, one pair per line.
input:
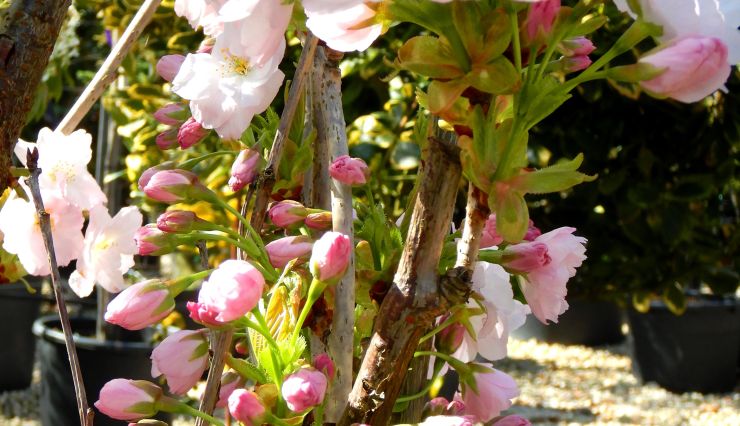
[28,31]
[418,295]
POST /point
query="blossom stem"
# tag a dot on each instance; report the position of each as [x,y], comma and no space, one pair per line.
[269,273]
[181,284]
[263,329]
[189,164]
[186,409]
[273,420]
[513,17]
[425,390]
[314,292]
[451,319]
[455,363]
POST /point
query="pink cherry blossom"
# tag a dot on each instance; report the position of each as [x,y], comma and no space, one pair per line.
[342,24]
[540,18]
[232,290]
[63,161]
[201,13]
[181,357]
[168,66]
[490,236]
[545,287]
[495,391]
[255,28]
[226,89]
[283,250]
[448,421]
[108,251]
[124,399]
[246,407]
[695,67]
[287,213]
[171,114]
[323,363]
[230,381]
[190,133]
[513,420]
[140,305]
[22,232]
[304,389]
[167,139]
[350,171]
[503,315]
[244,169]
[330,256]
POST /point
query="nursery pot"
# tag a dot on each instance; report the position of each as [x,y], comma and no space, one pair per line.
[696,351]
[589,323]
[100,362]
[18,310]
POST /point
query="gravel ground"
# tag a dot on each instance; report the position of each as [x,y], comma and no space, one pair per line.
[561,385]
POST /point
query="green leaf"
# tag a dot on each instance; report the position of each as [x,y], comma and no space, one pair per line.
[634,73]
[265,358]
[428,56]
[512,215]
[497,37]
[588,26]
[547,98]
[442,95]
[497,77]
[675,299]
[558,177]
[466,16]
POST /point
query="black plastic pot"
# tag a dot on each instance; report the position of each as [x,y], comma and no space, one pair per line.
[100,362]
[589,323]
[18,310]
[696,351]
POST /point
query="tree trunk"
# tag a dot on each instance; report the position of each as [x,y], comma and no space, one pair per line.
[418,295]
[28,31]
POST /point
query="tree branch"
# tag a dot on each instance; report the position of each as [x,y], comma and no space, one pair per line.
[476,214]
[28,30]
[45,225]
[331,131]
[418,295]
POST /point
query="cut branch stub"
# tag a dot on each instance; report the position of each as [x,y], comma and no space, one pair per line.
[418,295]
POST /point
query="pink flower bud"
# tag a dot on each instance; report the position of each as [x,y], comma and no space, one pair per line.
[575,63]
[169,65]
[455,408]
[140,305]
[512,420]
[167,139]
[495,390]
[202,314]
[576,46]
[319,221]
[123,399]
[526,256]
[287,213]
[178,221]
[172,114]
[148,173]
[190,133]
[323,363]
[435,407]
[540,19]
[450,338]
[231,291]
[246,407]
[532,232]
[181,357]
[230,381]
[245,169]
[694,66]
[285,249]
[173,186]
[449,421]
[330,256]
[304,389]
[151,241]
[350,171]
[490,236]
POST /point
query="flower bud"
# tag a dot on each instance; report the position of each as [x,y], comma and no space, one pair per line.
[532,232]
[140,305]
[575,63]
[178,221]
[694,66]
[540,20]
[490,236]
[285,249]
[172,114]
[173,186]
[169,65]
[230,381]
[526,257]
[190,133]
[287,213]
[319,221]
[450,338]
[181,357]
[231,291]
[323,363]
[244,169]
[576,46]
[146,176]
[455,408]
[151,241]
[246,407]
[435,407]
[304,389]
[512,420]
[167,139]
[330,256]
[124,399]
[350,171]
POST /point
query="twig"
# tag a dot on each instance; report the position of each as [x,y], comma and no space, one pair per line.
[417,296]
[107,72]
[220,342]
[476,213]
[45,225]
[331,130]
[267,180]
